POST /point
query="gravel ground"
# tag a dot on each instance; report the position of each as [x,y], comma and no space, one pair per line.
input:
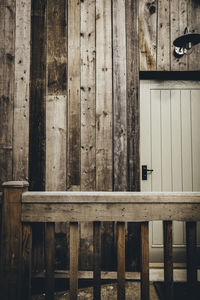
[108,292]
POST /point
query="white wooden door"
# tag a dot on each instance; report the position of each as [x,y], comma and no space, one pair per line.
[170,145]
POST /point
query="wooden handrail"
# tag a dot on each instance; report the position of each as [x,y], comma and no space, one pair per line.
[109,206]
[74,207]
[110,197]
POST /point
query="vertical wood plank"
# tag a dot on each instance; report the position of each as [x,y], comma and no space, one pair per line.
[119,96]
[49,260]
[104,117]
[88,121]
[144,261]
[7,65]
[186,141]
[166,160]
[74,238]
[176,140]
[178,22]
[38,262]
[37,97]
[21,99]
[103,96]
[37,130]
[191,257]
[97,260]
[74,77]
[120,261]
[148,12]
[163,38]
[56,96]
[56,99]
[133,102]
[26,261]
[88,50]
[133,121]
[168,260]
[194,26]
[156,140]
[56,47]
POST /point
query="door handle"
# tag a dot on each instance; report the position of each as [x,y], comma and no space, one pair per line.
[145,171]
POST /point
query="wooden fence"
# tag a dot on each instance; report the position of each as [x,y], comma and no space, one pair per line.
[21,208]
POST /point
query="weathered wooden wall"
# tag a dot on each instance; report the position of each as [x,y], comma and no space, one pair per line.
[84,104]
[14,88]
[84,101]
[160,23]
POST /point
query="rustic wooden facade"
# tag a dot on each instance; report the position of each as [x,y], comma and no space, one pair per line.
[83,71]
[69,81]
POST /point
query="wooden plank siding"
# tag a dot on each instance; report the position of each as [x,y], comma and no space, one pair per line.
[160,23]
[133,128]
[88,120]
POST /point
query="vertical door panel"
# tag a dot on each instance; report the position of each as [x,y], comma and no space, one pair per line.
[186,140]
[166,160]
[156,140]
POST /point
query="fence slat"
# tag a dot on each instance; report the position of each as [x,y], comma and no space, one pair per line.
[26,261]
[120,260]
[191,256]
[74,237]
[49,260]
[145,261]
[97,260]
[168,259]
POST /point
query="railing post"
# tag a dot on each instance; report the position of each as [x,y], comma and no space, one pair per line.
[191,239]
[121,261]
[73,264]
[168,260]
[145,261]
[97,260]
[11,242]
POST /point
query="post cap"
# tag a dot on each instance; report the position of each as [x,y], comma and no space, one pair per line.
[15,184]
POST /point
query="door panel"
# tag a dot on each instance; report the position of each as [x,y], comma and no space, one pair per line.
[170,145]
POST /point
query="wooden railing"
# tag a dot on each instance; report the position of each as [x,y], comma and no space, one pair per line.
[22,208]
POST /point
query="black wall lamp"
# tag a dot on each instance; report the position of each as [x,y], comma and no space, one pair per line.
[184,43]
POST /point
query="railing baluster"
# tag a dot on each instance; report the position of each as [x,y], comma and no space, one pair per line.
[191,257]
[73,265]
[97,260]
[168,259]
[26,260]
[120,260]
[49,260]
[145,261]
